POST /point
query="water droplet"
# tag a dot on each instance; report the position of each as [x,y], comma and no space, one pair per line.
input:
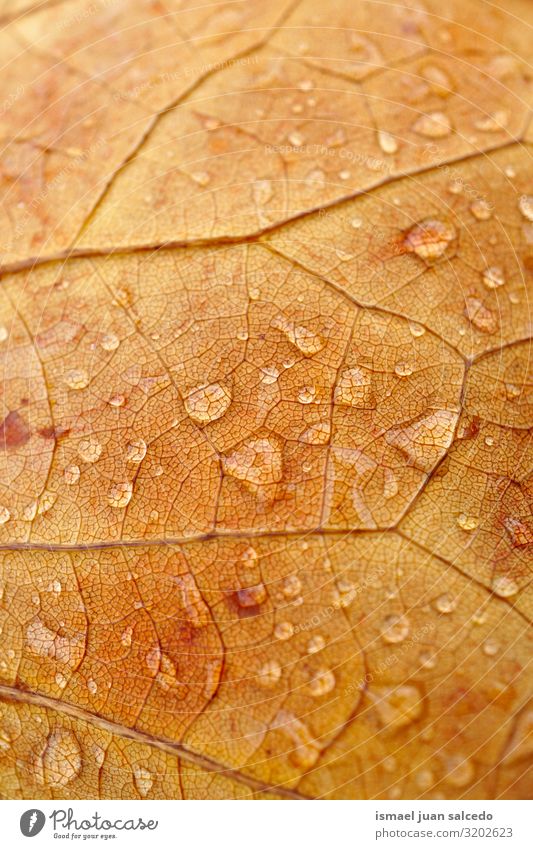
[316,644]
[438,80]
[445,603]
[306,394]
[395,629]
[92,686]
[4,333]
[306,340]
[493,123]
[262,191]
[477,313]
[356,223]
[519,532]
[428,660]
[343,255]
[109,342]
[424,779]
[322,682]
[403,369]
[296,139]
[60,760]
[387,142]
[460,771]
[270,375]
[317,434]
[315,180]
[242,335]
[270,673]
[397,707]
[117,401]
[77,378]
[56,586]
[504,586]
[5,515]
[61,681]
[143,780]
[493,277]
[344,175]
[434,125]
[491,648]
[207,403]
[525,205]
[291,586]
[306,749]
[430,239]
[467,523]
[136,450]
[424,441]
[201,178]
[120,494]
[258,462]
[416,329]
[306,85]
[352,388]
[284,631]
[89,449]
[252,596]
[481,209]
[512,391]
[126,636]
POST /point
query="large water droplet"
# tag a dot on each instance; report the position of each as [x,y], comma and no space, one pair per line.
[207,403]
[109,342]
[387,142]
[252,596]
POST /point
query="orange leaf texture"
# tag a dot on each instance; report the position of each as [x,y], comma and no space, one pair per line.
[266,524]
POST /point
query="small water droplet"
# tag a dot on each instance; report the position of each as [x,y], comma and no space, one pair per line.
[60,680]
[445,603]
[291,586]
[493,123]
[430,239]
[512,391]
[89,449]
[315,180]
[306,749]
[491,648]
[493,277]
[504,586]
[109,342]
[519,532]
[306,394]
[77,378]
[136,450]
[434,125]
[4,333]
[356,223]
[5,515]
[307,341]
[397,706]
[117,401]
[201,178]
[207,403]
[428,660]
[252,596]
[143,780]
[322,682]
[258,462]
[460,771]
[56,586]
[60,761]
[395,629]
[270,673]
[284,631]
[270,375]
[525,205]
[126,636]
[467,523]
[295,138]
[489,440]
[262,191]
[316,644]
[92,686]
[317,434]
[481,209]
[424,779]
[120,494]
[387,142]
[352,388]
[479,315]
[403,369]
